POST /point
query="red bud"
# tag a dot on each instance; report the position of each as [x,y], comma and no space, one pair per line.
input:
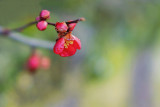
[42,25]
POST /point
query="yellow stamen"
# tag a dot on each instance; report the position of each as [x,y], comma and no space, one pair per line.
[67,43]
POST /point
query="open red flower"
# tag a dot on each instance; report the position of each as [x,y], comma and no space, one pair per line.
[67,45]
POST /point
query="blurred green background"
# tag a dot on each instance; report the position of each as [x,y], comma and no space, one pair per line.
[118,65]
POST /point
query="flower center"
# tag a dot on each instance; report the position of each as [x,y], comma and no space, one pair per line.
[67,43]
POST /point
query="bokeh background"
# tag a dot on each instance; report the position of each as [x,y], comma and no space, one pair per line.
[118,65]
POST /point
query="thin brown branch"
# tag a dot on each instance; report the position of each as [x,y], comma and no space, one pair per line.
[53,24]
[49,23]
[76,21]
[25,26]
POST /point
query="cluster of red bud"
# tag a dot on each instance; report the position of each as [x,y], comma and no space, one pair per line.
[42,23]
[66,43]
[36,61]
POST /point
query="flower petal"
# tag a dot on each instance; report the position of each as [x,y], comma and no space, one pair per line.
[77,42]
[71,26]
[64,54]
[68,51]
[59,46]
[71,50]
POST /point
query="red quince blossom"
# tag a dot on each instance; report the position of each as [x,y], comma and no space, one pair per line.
[67,45]
[33,62]
[45,14]
[42,25]
[45,63]
[71,26]
[61,27]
